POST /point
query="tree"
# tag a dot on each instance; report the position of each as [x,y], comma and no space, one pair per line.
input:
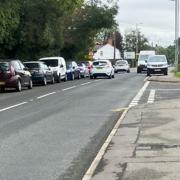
[131,41]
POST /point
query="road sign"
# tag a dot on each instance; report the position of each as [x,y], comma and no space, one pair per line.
[129,55]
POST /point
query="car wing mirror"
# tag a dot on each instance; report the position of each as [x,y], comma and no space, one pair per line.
[61,66]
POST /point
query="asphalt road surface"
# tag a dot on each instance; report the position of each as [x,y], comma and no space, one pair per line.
[54,132]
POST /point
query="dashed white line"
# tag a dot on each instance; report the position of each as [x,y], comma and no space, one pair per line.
[69,88]
[85,83]
[45,95]
[98,80]
[10,107]
[151,96]
[136,99]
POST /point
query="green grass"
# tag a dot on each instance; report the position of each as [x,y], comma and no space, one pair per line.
[177,74]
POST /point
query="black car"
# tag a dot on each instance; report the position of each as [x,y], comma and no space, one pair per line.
[13,74]
[40,72]
[73,71]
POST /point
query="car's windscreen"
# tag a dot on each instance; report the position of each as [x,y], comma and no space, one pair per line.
[143,57]
[4,66]
[32,65]
[80,64]
[99,63]
[68,65]
[157,59]
[51,62]
[121,63]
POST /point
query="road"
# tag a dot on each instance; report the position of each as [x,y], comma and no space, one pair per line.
[54,132]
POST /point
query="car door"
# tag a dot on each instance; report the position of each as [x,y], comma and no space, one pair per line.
[19,71]
[76,70]
[47,71]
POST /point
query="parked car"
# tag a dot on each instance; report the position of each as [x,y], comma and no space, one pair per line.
[40,72]
[142,60]
[84,71]
[88,64]
[121,65]
[157,64]
[73,71]
[102,68]
[13,74]
[58,66]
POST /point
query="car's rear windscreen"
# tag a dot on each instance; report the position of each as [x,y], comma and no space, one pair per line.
[100,63]
[32,65]
[4,66]
[50,62]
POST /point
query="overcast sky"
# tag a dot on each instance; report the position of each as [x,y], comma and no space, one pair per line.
[155,19]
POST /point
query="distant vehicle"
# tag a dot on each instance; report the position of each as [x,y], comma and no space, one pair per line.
[84,71]
[102,68]
[121,65]
[142,60]
[40,72]
[88,64]
[13,74]
[58,65]
[157,64]
[73,71]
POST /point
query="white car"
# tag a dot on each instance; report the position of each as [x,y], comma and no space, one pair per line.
[58,66]
[121,65]
[102,68]
[157,64]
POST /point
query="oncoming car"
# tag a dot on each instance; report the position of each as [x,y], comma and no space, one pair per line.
[102,68]
[121,65]
[157,64]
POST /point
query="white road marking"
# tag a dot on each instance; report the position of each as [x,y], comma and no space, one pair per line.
[69,88]
[86,83]
[151,96]
[10,107]
[89,173]
[136,99]
[45,95]
[98,80]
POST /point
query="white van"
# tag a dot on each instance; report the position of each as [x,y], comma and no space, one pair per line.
[58,66]
[142,60]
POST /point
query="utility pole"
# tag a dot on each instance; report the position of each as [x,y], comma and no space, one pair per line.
[114,46]
[177,33]
[137,40]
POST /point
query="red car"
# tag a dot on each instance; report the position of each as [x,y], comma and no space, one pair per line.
[13,74]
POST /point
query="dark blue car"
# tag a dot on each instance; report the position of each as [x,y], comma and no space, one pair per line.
[73,71]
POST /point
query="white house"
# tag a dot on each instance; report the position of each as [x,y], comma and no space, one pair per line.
[107,52]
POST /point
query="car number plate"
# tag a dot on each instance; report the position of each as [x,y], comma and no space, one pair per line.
[157,70]
[2,83]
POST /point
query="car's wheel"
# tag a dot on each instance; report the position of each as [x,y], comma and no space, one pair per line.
[2,89]
[18,86]
[59,79]
[52,80]
[30,84]
[91,77]
[72,77]
[148,72]
[44,82]
[95,77]
[138,70]
[65,78]
[79,76]
[166,72]
[113,76]
[128,71]
[110,76]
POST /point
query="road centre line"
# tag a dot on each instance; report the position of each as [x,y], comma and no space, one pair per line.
[72,87]
[136,99]
[151,96]
[45,95]
[86,83]
[10,107]
[167,89]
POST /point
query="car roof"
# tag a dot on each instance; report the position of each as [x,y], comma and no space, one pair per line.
[33,62]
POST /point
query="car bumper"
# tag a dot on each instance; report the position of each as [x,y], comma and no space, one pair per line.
[157,70]
[8,83]
[142,67]
[37,79]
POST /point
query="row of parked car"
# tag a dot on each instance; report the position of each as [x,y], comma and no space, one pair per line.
[15,74]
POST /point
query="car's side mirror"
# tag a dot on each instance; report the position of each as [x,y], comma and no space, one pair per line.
[26,69]
[73,67]
[61,66]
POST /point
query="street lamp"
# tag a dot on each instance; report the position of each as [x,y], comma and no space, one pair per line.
[137,40]
[176,32]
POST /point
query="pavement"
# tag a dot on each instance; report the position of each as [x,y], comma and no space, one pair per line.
[146,146]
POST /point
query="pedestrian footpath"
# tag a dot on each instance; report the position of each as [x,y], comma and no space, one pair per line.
[146,145]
